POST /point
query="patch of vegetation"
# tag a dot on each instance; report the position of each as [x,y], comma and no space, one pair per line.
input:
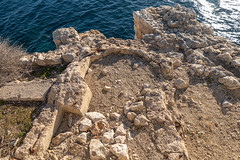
[48,72]
[15,121]
[10,65]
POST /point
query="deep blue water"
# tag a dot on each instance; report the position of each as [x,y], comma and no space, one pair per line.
[31,22]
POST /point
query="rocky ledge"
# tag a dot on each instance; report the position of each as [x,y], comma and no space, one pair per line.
[187,61]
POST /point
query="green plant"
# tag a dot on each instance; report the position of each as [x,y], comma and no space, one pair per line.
[20,134]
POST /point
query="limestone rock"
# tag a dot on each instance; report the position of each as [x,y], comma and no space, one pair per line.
[97,150]
[137,106]
[60,138]
[85,125]
[70,92]
[168,142]
[121,130]
[115,116]
[141,121]
[25,91]
[95,116]
[230,82]
[226,104]
[106,88]
[64,36]
[108,137]
[180,84]
[120,139]
[76,68]
[120,150]
[82,138]
[131,116]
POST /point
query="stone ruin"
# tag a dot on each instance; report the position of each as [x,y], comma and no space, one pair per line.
[166,38]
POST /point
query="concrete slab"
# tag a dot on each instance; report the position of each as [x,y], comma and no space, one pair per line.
[25,91]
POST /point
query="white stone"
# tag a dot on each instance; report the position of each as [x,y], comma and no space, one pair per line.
[120,150]
[121,130]
[230,82]
[131,116]
[82,138]
[120,139]
[226,104]
[89,70]
[106,88]
[108,137]
[95,116]
[97,150]
[85,125]
[141,121]
[115,116]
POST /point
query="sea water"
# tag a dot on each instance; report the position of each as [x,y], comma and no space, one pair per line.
[31,22]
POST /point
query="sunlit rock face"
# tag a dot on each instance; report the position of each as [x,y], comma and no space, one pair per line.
[166,19]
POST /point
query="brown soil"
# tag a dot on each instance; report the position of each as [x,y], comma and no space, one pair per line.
[208,130]
[211,131]
[125,82]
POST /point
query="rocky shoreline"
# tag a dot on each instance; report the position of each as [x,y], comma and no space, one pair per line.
[184,60]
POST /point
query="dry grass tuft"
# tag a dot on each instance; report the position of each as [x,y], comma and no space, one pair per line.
[10,65]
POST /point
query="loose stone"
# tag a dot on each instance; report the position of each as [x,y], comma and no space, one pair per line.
[108,137]
[95,116]
[180,84]
[82,138]
[141,121]
[226,104]
[137,106]
[85,125]
[97,150]
[120,150]
[131,116]
[121,130]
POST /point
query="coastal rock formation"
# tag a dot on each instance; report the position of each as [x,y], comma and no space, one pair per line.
[165,95]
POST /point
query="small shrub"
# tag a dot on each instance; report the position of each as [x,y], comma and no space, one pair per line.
[10,65]
[20,134]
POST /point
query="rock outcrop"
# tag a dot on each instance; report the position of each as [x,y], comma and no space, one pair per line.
[182,53]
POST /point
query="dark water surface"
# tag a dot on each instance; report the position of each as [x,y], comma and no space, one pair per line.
[31,22]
